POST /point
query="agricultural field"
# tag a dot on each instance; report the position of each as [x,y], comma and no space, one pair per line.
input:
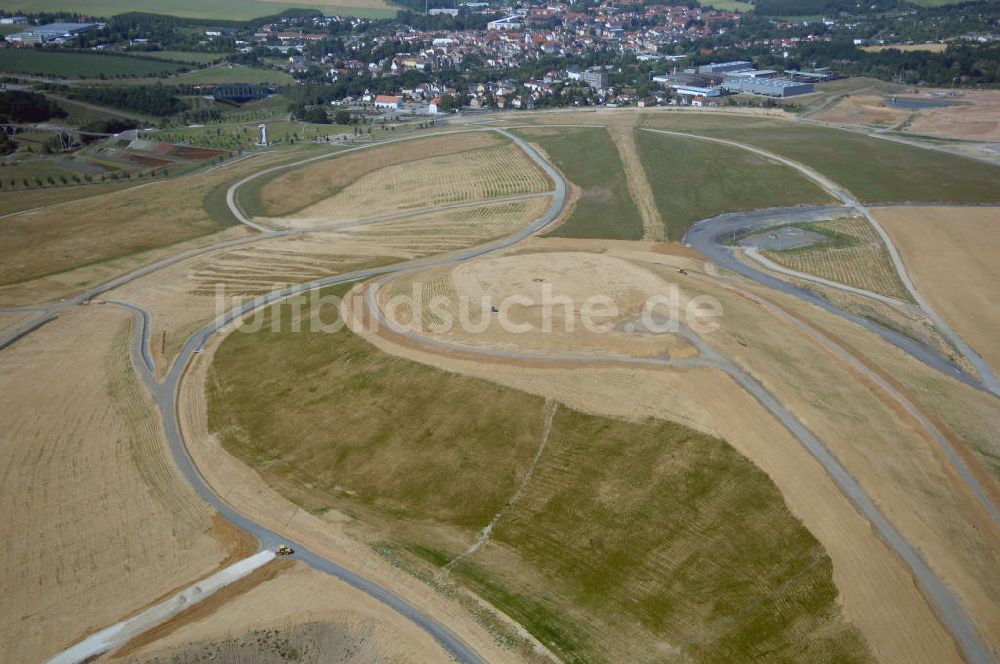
[874,170]
[584,565]
[474,175]
[602,206]
[237,10]
[221,73]
[851,253]
[39,62]
[693,180]
[268,196]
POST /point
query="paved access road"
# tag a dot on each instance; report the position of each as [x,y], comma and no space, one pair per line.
[165,396]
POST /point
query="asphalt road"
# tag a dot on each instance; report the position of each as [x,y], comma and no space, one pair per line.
[711,236]
[165,396]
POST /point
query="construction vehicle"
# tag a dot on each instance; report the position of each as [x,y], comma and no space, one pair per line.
[284,550]
[682,271]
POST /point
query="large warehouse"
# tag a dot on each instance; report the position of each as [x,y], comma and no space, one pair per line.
[768,87]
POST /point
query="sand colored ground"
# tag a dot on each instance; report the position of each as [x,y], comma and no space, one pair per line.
[950,253]
[638,185]
[557,288]
[319,180]
[281,598]
[866,573]
[8,321]
[978,120]
[97,523]
[185,296]
[890,454]
[445,180]
[972,116]
[933,48]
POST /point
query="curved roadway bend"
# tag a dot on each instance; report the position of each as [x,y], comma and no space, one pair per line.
[709,237]
[987,378]
[165,396]
[949,609]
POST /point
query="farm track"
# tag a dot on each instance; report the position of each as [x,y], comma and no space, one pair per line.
[165,396]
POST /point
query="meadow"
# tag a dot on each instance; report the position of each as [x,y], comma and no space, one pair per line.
[81,64]
[192,57]
[628,532]
[589,159]
[228,74]
[693,180]
[874,170]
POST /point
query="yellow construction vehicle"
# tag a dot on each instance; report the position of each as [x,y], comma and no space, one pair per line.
[284,550]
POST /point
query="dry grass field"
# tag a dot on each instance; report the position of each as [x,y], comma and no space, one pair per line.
[866,573]
[97,522]
[114,225]
[458,178]
[950,254]
[182,297]
[317,181]
[931,48]
[851,254]
[594,563]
